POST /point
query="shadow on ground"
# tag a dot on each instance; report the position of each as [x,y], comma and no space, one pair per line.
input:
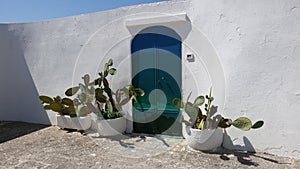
[12,130]
[137,145]
[56,148]
[244,154]
[243,157]
[138,138]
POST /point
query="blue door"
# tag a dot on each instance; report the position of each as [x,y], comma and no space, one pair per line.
[156,68]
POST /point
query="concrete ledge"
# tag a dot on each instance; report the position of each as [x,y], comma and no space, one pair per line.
[157,20]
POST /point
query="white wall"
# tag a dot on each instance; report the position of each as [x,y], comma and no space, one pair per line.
[257,43]
[245,49]
[18,94]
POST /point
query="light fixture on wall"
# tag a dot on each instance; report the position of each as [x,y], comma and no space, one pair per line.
[190,57]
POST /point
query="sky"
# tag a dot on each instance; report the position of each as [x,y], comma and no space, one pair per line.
[12,11]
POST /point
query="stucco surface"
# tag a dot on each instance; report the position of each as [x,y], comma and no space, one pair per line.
[258,45]
[246,50]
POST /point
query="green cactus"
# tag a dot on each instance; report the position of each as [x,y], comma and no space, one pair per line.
[131,92]
[63,106]
[103,84]
[72,91]
[107,106]
[110,106]
[46,99]
[85,98]
[257,124]
[200,121]
[242,123]
[91,93]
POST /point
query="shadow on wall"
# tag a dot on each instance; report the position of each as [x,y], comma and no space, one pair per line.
[247,144]
[18,95]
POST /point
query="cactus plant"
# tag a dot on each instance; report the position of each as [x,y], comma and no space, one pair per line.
[201,120]
[103,84]
[98,92]
[93,96]
[85,97]
[109,106]
[63,106]
[80,106]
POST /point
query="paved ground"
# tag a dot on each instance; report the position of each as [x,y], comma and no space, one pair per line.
[35,146]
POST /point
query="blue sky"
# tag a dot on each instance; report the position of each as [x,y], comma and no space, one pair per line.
[36,10]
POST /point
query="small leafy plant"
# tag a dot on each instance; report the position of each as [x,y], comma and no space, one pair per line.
[201,120]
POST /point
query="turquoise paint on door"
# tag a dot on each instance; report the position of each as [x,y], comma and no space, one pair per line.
[156,68]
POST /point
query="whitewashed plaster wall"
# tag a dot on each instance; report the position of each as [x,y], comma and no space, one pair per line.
[246,50]
[18,94]
[59,52]
[258,44]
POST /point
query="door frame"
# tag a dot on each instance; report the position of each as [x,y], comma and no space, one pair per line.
[180,23]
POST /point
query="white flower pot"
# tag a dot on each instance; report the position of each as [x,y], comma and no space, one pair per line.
[185,130]
[204,140]
[79,123]
[111,127]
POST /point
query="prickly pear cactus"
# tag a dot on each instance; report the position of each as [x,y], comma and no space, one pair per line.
[63,106]
[242,123]
[91,93]
[203,121]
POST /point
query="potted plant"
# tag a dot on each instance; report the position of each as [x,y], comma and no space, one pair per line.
[67,117]
[73,114]
[111,120]
[107,105]
[203,130]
